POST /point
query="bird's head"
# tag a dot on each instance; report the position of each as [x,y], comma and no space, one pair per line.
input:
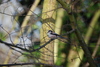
[50,31]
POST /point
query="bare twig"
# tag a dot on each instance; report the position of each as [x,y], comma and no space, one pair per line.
[96,48]
[32,63]
[12,45]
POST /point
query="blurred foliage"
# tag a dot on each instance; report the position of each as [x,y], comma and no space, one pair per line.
[83,20]
[2,36]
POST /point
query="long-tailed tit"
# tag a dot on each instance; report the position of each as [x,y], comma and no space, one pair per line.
[53,35]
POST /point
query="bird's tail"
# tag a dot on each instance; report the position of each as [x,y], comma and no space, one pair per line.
[63,39]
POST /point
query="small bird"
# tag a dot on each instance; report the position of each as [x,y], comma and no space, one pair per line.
[53,35]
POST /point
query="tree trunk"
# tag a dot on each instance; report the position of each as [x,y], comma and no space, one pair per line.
[48,17]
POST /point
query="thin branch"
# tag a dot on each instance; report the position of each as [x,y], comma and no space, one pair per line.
[9,44]
[96,48]
[32,63]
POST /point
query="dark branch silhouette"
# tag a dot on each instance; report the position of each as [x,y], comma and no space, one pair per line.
[33,63]
[13,45]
